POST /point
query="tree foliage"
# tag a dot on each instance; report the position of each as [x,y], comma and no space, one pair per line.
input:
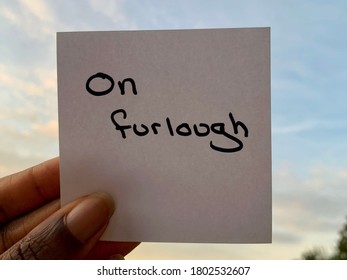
[340,252]
[341,248]
[314,254]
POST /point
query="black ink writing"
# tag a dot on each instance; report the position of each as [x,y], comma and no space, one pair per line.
[184,129]
[121,85]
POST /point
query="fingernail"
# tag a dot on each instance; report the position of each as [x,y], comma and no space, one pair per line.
[90,215]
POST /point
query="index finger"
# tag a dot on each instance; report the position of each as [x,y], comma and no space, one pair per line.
[29,189]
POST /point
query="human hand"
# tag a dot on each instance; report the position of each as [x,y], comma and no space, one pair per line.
[33,226]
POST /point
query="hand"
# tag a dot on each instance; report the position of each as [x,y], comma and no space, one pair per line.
[33,226]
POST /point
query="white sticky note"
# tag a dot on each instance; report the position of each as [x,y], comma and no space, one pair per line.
[175,125]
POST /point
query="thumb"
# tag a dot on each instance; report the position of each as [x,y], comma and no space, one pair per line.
[70,233]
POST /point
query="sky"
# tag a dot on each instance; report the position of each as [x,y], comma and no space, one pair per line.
[308,81]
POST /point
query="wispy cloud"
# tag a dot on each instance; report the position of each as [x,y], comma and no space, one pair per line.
[38,9]
[34,18]
[112,9]
[294,128]
[48,129]
[309,125]
[41,81]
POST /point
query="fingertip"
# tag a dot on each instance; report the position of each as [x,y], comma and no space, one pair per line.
[90,215]
[107,199]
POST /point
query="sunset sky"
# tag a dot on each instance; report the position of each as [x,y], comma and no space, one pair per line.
[309,119]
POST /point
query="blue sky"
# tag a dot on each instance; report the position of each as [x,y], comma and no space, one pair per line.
[309,120]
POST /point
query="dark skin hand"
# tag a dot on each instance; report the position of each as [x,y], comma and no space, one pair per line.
[34,226]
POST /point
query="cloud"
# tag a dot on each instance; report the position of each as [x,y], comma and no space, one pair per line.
[41,82]
[23,147]
[286,238]
[294,128]
[49,129]
[328,125]
[112,9]
[310,204]
[13,162]
[28,117]
[38,9]
[10,15]
[34,18]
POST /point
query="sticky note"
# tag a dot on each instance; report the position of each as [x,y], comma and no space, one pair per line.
[175,125]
